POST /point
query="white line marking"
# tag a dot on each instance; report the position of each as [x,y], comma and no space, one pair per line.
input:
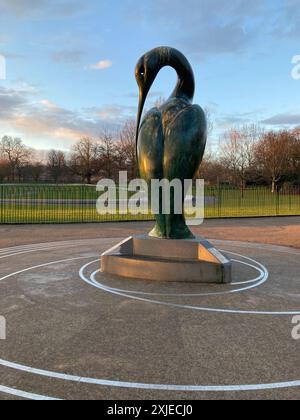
[262,279]
[257,279]
[41,248]
[121,384]
[137,385]
[93,282]
[54,244]
[41,265]
[25,395]
[257,245]
[12,391]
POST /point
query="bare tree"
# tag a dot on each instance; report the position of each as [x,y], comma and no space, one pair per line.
[238,152]
[159,102]
[127,148]
[84,159]
[107,155]
[296,133]
[209,120]
[16,153]
[273,155]
[212,170]
[294,169]
[4,170]
[32,171]
[56,164]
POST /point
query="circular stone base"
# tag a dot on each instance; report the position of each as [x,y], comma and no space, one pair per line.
[74,332]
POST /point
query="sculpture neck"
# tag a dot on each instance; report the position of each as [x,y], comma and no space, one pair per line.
[186,81]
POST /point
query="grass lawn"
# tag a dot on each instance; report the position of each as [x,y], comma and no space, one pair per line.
[76,203]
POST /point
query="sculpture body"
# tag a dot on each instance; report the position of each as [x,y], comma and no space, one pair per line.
[171,139]
[171,142]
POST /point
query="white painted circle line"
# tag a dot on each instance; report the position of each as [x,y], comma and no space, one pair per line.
[138,385]
[25,395]
[93,282]
[59,245]
[132,385]
[27,250]
[13,391]
[257,279]
[12,249]
[41,266]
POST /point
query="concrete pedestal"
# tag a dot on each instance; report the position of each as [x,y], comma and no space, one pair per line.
[143,257]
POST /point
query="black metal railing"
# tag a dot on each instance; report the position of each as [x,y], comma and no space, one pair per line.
[77,204]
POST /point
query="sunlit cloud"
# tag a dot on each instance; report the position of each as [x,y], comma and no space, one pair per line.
[22,113]
[54,8]
[60,46]
[283,119]
[112,113]
[67,56]
[48,105]
[101,65]
[207,27]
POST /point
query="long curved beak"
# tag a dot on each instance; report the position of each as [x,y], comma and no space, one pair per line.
[142,100]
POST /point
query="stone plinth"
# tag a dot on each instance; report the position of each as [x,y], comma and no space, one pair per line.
[143,257]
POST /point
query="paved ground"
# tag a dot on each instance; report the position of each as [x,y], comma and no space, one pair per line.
[278,231]
[81,331]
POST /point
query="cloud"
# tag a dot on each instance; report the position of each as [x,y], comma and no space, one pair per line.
[10,102]
[203,28]
[239,118]
[283,119]
[221,40]
[12,56]
[67,56]
[152,94]
[101,65]
[49,8]
[112,113]
[21,7]
[41,119]
[48,105]
[287,22]
[24,88]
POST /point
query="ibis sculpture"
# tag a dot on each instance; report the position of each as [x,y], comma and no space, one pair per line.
[171,139]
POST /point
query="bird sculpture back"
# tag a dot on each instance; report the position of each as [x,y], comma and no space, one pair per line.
[171,139]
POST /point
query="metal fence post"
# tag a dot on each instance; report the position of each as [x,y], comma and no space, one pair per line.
[219,202]
[277,202]
[75,203]
[1,203]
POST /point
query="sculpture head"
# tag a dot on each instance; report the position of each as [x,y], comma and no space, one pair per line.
[146,71]
[148,68]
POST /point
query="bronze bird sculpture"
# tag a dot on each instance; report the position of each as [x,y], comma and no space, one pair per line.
[171,139]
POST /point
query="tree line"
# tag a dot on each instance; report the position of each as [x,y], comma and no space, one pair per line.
[89,160]
[249,155]
[246,155]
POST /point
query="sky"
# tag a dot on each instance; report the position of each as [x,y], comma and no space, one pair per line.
[70,63]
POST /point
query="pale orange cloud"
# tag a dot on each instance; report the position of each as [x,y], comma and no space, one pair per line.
[44,123]
[101,65]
